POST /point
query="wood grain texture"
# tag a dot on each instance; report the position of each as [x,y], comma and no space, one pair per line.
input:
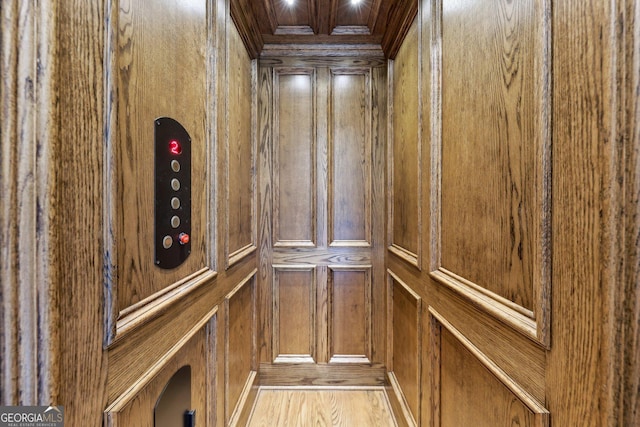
[398,25]
[239,142]
[406,329]
[349,308]
[240,339]
[245,20]
[405,152]
[29,371]
[294,314]
[379,202]
[304,125]
[622,259]
[300,407]
[320,61]
[265,214]
[79,102]
[509,349]
[487,402]
[595,149]
[144,89]
[332,23]
[147,342]
[323,374]
[136,406]
[350,157]
[491,109]
[294,148]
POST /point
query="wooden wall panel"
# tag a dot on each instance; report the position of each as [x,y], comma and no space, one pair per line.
[136,406]
[406,337]
[294,314]
[294,146]
[486,401]
[265,213]
[349,289]
[405,152]
[150,49]
[240,151]
[350,158]
[240,343]
[330,113]
[492,229]
[471,390]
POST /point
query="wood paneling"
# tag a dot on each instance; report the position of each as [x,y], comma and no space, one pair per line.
[473,390]
[592,373]
[77,216]
[144,37]
[323,374]
[63,163]
[328,23]
[349,289]
[294,147]
[350,158]
[294,314]
[405,231]
[136,406]
[240,343]
[318,145]
[29,339]
[240,151]
[493,222]
[405,327]
[146,342]
[265,213]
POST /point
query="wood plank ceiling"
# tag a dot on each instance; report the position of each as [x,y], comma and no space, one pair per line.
[326,27]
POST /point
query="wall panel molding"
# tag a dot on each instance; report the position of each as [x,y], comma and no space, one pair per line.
[294,314]
[540,415]
[405,326]
[195,349]
[130,277]
[293,133]
[527,308]
[138,315]
[240,338]
[28,173]
[349,303]
[405,136]
[349,163]
[265,214]
[240,89]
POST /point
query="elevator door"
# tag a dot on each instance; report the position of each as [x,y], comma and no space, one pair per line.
[322,201]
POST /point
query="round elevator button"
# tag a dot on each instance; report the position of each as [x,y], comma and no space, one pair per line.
[175,203]
[175,184]
[175,222]
[167,242]
[175,165]
[183,238]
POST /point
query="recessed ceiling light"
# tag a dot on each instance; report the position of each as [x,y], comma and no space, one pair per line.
[290,2]
[355,2]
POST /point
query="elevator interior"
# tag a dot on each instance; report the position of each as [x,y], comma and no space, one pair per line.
[434,200]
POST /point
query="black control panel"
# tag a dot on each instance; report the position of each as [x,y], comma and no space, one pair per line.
[172,193]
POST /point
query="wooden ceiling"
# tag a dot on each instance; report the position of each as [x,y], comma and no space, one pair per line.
[370,27]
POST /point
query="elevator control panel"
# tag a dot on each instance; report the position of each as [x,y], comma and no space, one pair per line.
[172,193]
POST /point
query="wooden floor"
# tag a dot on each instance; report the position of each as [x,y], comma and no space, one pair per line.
[299,407]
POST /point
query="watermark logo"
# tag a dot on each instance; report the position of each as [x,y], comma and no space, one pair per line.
[31,416]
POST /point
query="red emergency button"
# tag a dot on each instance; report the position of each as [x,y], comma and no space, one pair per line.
[183,238]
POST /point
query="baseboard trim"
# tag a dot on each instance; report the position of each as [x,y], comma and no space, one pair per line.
[332,375]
